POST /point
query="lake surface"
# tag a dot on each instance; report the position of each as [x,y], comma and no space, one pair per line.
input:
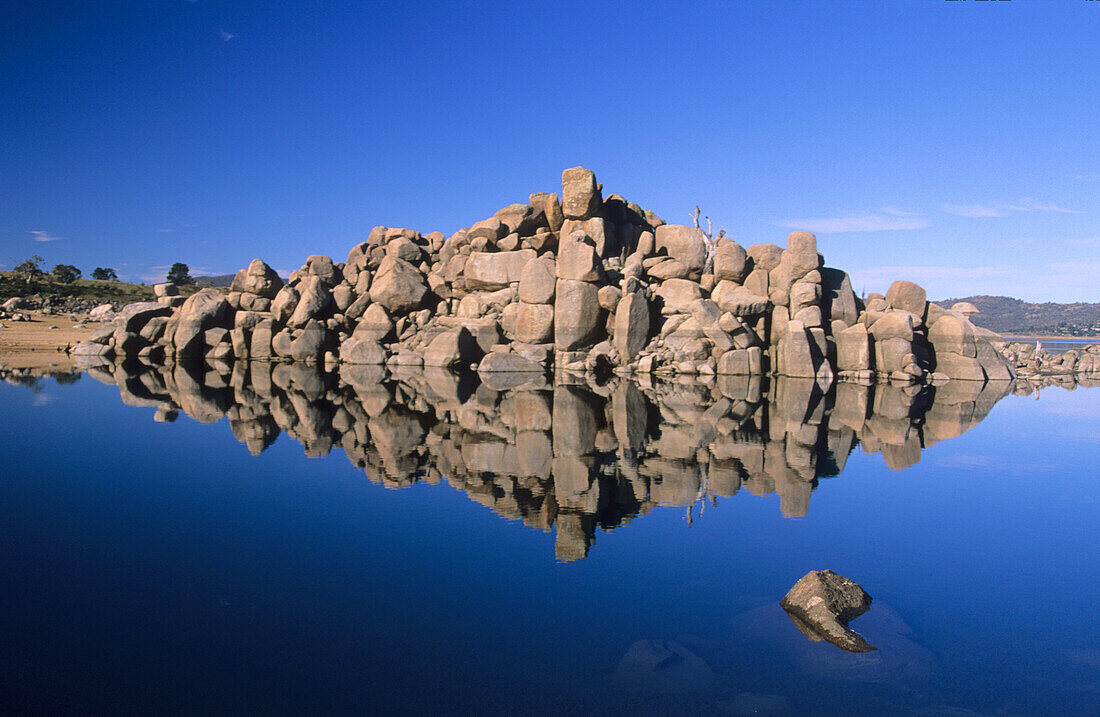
[281,540]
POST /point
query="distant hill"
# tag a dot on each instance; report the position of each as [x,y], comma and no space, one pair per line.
[1006,315]
[223,281]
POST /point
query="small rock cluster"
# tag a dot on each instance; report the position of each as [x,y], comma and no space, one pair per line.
[1032,360]
[579,283]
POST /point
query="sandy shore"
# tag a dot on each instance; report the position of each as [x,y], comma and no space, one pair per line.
[33,344]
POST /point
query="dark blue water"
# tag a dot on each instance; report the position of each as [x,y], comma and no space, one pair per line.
[154,567]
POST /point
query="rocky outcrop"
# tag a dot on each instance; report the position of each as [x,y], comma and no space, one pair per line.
[822,603]
[1035,363]
[584,284]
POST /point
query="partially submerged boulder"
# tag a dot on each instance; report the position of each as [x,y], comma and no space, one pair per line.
[822,603]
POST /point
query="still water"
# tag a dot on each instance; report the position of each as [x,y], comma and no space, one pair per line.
[287,541]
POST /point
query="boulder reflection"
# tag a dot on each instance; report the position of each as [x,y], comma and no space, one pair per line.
[568,457]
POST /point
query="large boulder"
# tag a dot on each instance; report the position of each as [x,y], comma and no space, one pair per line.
[853,349]
[802,255]
[677,295]
[501,362]
[496,270]
[538,281]
[953,334]
[822,603]
[731,261]
[205,309]
[631,325]
[259,279]
[398,286]
[838,297]
[794,354]
[765,256]
[454,347]
[738,300]
[356,350]
[522,219]
[134,317]
[314,301]
[578,259]
[687,245]
[907,296]
[578,318]
[581,196]
[534,323]
[375,324]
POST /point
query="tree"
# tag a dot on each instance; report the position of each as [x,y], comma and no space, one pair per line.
[66,273]
[104,274]
[711,240]
[178,274]
[30,269]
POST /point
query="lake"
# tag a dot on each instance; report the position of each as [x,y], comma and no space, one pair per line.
[278,539]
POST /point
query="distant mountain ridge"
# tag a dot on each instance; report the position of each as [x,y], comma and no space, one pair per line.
[1006,315]
[223,281]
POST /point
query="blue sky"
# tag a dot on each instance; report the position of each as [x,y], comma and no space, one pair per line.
[956,144]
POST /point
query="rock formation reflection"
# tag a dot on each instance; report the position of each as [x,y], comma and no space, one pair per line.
[568,457]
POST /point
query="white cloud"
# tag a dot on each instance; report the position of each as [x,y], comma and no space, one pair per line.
[918,273]
[1003,209]
[44,236]
[871,222]
[227,36]
[974,210]
[896,212]
[1078,266]
[1031,205]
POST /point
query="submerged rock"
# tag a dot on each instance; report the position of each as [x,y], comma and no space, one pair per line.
[822,603]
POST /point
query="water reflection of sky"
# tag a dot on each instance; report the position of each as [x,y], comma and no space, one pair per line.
[160,567]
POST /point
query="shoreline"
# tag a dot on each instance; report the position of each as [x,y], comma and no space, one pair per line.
[33,344]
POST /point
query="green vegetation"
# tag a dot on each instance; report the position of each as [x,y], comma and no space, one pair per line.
[66,273]
[1006,315]
[30,270]
[179,274]
[16,284]
[104,274]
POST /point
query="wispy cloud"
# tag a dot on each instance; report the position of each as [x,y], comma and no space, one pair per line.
[44,236]
[920,273]
[888,219]
[1085,242]
[1004,209]
[1028,204]
[227,36]
[974,210]
[164,231]
[1087,177]
[897,212]
[1075,267]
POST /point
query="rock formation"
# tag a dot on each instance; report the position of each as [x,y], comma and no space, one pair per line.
[822,603]
[586,283]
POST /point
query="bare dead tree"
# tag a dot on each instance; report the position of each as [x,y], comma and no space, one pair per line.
[711,240]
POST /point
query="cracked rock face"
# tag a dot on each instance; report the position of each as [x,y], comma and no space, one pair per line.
[822,603]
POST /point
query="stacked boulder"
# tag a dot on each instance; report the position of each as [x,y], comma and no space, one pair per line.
[580,283]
